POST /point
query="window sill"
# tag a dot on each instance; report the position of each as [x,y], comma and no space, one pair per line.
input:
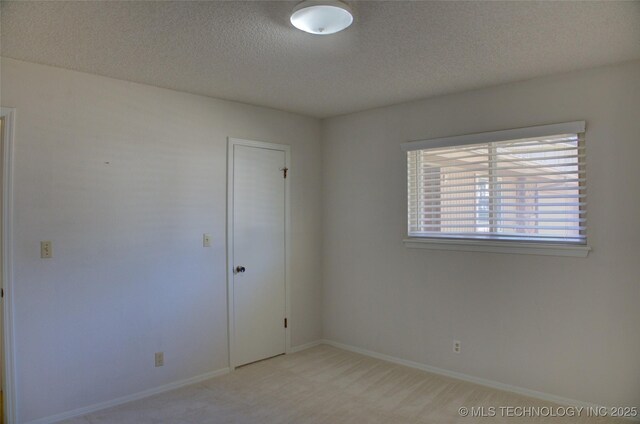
[497,246]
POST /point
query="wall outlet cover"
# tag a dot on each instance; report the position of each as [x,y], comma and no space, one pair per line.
[46,249]
[159,358]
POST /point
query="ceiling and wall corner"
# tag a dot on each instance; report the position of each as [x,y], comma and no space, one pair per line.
[249,51]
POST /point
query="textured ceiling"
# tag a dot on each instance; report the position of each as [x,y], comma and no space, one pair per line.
[247,51]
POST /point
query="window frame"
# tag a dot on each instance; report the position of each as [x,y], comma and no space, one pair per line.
[496,245]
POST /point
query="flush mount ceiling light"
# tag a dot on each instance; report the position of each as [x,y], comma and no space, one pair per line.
[321,17]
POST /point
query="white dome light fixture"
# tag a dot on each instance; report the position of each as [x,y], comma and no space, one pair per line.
[321,17]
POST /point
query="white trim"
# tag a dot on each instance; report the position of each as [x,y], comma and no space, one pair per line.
[574,127]
[230,262]
[130,398]
[497,246]
[229,230]
[287,247]
[300,348]
[10,398]
[465,377]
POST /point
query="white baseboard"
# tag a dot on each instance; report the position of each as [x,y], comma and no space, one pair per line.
[465,377]
[125,399]
[150,392]
[299,348]
[305,346]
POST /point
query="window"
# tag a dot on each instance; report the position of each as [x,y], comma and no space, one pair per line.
[525,185]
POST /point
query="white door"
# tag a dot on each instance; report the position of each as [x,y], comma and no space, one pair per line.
[258,252]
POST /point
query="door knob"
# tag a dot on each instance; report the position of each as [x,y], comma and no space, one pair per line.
[239,269]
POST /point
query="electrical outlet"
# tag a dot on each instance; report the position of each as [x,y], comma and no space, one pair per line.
[46,249]
[159,359]
[457,346]
[206,240]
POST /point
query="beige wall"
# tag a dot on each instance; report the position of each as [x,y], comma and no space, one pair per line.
[563,326]
[124,179]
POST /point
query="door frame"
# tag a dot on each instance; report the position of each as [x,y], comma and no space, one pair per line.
[8,374]
[231,143]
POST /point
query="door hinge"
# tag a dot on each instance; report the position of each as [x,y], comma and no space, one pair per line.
[285,323]
[284,172]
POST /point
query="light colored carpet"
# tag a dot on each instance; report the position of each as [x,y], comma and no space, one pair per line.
[323,385]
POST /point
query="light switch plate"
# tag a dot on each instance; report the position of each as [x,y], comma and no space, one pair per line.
[206,240]
[46,249]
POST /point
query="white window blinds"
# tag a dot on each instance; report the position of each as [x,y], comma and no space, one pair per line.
[527,189]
